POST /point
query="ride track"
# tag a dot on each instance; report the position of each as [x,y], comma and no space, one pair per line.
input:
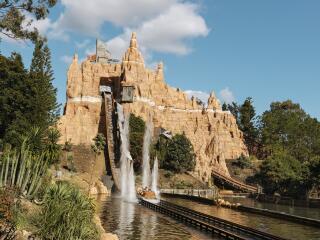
[217,226]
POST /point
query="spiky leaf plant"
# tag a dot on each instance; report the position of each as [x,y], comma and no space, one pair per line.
[66,214]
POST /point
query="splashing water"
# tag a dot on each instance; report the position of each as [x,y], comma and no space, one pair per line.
[128,190]
[155,174]
[146,174]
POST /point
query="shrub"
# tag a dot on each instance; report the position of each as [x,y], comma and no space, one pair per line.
[136,131]
[179,156]
[168,174]
[66,214]
[243,162]
[284,174]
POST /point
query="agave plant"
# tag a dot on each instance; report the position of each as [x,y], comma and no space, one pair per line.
[23,170]
[66,214]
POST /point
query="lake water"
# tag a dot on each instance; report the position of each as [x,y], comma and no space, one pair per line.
[132,221]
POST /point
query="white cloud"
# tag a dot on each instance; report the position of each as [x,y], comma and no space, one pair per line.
[88,16]
[226,95]
[203,96]
[162,26]
[66,59]
[82,44]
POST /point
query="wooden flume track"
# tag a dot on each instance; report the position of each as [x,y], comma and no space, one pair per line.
[215,226]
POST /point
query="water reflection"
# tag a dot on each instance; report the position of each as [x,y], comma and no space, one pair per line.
[132,221]
[299,211]
[274,226]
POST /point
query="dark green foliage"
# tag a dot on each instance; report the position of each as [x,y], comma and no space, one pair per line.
[224,107]
[176,154]
[52,148]
[27,99]
[287,126]
[247,115]
[66,214]
[13,17]
[15,99]
[99,142]
[314,168]
[291,148]
[243,162]
[136,131]
[44,100]
[234,108]
[284,174]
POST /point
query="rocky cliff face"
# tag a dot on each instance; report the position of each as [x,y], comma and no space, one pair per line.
[213,132]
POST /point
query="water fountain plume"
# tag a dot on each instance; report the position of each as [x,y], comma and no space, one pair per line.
[146,174]
[128,190]
[155,177]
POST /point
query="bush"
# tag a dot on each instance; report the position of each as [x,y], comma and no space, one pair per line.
[182,185]
[66,214]
[179,156]
[284,174]
[168,174]
[243,162]
[136,131]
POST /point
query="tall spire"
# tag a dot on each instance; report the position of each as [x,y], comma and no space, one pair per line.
[133,55]
[133,41]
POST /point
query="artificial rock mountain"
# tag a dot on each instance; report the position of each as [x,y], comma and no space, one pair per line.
[213,133]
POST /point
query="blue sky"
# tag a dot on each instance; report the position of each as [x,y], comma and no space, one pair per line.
[268,50]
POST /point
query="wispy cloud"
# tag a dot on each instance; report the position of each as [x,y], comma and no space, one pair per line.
[66,59]
[226,95]
[203,96]
[82,44]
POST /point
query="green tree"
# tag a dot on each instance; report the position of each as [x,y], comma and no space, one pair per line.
[136,130]
[179,156]
[287,126]
[247,125]
[234,109]
[15,99]
[224,106]
[13,21]
[284,174]
[45,108]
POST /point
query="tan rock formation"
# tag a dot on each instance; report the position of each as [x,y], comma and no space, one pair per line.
[213,132]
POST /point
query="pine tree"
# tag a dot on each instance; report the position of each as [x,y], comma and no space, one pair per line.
[247,124]
[224,107]
[44,100]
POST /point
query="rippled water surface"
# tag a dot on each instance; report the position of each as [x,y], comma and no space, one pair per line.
[132,221]
[299,211]
[274,226]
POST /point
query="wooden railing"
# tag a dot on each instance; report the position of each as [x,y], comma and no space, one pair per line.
[203,193]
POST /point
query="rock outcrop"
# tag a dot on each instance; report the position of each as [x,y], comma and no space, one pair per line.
[213,132]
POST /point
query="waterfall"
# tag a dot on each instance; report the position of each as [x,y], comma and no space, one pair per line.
[155,174]
[128,190]
[146,157]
